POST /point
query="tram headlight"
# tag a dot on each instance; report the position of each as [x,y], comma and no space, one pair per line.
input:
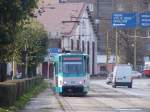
[80,82]
[65,82]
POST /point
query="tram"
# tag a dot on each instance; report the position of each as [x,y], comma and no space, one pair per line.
[147,69]
[71,74]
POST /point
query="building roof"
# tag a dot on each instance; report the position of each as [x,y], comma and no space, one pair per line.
[59,17]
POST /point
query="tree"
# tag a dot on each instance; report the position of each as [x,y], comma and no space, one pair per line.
[12,16]
[11,13]
[126,45]
[35,39]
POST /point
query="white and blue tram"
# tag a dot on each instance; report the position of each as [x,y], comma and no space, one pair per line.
[71,74]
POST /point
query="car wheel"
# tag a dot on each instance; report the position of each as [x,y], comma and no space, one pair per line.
[130,85]
[114,85]
[108,83]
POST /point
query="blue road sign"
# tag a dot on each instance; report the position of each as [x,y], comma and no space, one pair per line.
[54,51]
[124,20]
[145,19]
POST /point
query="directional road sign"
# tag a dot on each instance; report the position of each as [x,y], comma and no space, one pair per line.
[145,19]
[54,51]
[124,20]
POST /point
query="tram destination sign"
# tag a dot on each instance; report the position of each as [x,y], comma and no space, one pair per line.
[145,19]
[124,20]
[72,58]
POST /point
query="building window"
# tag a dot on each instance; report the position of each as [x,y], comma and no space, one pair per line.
[148,47]
[103,68]
[71,44]
[93,57]
[88,47]
[91,7]
[78,44]
[83,24]
[82,45]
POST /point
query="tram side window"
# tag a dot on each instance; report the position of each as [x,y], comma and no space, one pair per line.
[88,71]
[87,64]
[147,66]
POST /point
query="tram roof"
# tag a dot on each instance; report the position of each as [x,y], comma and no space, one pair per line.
[71,54]
[56,57]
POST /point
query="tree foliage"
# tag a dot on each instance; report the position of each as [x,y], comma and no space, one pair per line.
[34,38]
[12,16]
[126,46]
[31,42]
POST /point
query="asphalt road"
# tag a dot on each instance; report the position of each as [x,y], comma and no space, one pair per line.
[101,98]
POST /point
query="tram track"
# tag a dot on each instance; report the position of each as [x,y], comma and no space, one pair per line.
[122,97]
[64,104]
[98,100]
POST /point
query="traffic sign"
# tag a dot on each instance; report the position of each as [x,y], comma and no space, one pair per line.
[124,20]
[145,19]
[54,51]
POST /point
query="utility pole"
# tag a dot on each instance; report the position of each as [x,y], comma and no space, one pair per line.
[135,49]
[107,48]
[48,63]
[116,49]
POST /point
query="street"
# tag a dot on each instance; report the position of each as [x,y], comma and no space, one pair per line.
[101,98]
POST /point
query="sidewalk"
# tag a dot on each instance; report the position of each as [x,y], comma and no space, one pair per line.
[44,102]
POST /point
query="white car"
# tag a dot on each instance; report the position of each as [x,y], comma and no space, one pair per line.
[136,74]
[122,75]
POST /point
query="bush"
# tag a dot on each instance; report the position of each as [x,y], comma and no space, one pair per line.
[7,93]
[18,87]
[13,89]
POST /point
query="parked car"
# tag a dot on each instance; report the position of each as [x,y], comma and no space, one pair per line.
[136,74]
[109,78]
[122,75]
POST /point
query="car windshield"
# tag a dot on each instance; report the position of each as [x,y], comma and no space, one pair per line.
[124,70]
[73,67]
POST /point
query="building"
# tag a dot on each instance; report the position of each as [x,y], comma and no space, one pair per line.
[103,13]
[69,27]
[105,67]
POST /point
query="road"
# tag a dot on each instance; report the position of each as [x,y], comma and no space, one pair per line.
[101,98]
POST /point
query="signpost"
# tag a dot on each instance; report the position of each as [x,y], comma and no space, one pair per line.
[122,20]
[51,53]
[128,20]
[145,19]
[54,51]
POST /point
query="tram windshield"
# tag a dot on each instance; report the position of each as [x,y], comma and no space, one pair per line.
[73,67]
